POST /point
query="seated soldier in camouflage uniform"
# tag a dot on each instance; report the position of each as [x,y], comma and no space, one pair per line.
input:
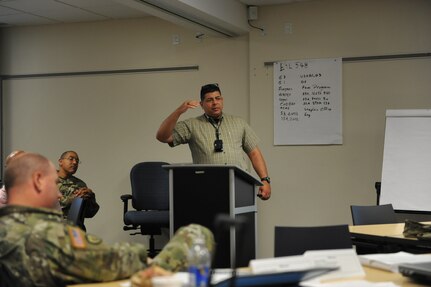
[37,248]
[71,186]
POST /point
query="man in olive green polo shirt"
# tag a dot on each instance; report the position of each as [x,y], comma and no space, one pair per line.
[215,137]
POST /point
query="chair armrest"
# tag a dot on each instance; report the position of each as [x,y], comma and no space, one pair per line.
[125,198]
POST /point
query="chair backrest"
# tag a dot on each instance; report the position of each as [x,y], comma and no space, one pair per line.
[76,212]
[150,186]
[297,240]
[373,214]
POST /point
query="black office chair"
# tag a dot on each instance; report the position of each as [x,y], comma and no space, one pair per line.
[77,211]
[373,214]
[150,199]
[378,187]
[297,240]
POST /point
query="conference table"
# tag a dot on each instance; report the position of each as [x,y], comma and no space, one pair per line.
[372,275]
[388,237]
[380,234]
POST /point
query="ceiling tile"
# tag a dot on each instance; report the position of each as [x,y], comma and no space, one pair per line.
[7,11]
[106,8]
[24,19]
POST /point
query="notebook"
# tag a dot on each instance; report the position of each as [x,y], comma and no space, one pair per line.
[416,271]
[290,278]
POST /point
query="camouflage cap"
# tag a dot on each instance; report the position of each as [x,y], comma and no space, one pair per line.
[414,229]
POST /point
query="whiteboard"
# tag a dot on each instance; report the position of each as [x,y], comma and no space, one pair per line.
[307,102]
[406,170]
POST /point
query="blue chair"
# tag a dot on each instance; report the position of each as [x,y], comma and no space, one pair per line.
[76,212]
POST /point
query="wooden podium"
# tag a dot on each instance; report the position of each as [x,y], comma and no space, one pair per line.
[199,192]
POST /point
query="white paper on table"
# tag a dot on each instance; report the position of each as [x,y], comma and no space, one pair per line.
[391,261]
[356,283]
[346,259]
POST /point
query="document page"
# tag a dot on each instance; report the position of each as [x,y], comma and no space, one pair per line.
[346,259]
[391,261]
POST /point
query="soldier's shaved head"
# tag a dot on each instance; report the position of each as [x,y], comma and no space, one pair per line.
[13,155]
[21,168]
[31,180]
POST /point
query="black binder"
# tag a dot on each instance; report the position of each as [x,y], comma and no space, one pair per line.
[417,271]
[291,278]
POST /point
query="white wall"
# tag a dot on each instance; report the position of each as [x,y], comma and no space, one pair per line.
[111,120]
[315,185]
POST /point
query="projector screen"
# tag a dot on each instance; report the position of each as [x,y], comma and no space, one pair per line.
[406,171]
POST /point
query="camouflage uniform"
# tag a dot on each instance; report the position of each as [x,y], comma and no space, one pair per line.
[417,230]
[67,187]
[38,249]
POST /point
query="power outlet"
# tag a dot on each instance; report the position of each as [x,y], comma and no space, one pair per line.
[252,13]
[288,28]
[176,40]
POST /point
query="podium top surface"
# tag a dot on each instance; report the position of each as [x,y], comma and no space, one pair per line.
[236,168]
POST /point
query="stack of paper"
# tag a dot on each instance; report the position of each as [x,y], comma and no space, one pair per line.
[391,261]
[288,264]
[345,260]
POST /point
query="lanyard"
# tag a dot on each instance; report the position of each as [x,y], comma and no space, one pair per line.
[215,125]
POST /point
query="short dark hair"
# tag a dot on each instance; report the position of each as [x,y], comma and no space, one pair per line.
[209,88]
[63,155]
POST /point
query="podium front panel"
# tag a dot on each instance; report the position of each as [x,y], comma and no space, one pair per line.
[199,196]
[198,193]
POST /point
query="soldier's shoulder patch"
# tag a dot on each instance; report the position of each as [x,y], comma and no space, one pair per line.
[77,237]
[93,239]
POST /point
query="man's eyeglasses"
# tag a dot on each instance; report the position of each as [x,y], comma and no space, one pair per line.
[71,158]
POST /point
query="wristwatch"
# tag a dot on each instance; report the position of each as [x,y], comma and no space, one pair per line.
[266,178]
